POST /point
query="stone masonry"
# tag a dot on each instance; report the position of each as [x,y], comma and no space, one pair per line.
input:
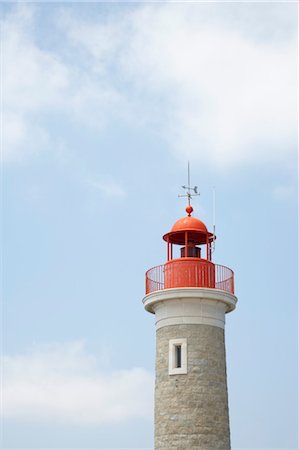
[191,410]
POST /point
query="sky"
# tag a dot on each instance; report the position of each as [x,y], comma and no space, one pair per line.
[103,104]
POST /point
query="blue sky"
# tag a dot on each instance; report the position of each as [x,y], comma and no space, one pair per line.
[103,105]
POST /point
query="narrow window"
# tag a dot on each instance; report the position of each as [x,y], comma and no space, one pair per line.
[178,357]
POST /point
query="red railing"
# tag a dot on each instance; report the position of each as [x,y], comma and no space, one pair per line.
[189,272]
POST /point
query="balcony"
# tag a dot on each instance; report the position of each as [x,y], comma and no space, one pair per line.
[189,272]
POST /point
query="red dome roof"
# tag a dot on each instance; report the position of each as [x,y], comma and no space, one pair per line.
[197,231]
[189,223]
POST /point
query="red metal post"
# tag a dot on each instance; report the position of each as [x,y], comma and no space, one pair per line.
[207,244]
[186,244]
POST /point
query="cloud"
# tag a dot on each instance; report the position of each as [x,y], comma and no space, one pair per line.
[217,82]
[37,83]
[33,82]
[108,188]
[21,138]
[63,383]
[284,192]
[223,96]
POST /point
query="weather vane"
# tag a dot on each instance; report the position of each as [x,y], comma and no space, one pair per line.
[188,188]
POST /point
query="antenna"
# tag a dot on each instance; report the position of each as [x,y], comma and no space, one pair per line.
[188,188]
[214,218]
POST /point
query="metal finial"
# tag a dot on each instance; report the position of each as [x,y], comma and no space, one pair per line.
[188,188]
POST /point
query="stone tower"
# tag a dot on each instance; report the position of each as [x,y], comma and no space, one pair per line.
[190,296]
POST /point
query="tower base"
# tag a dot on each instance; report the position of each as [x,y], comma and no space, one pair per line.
[191,401]
[191,410]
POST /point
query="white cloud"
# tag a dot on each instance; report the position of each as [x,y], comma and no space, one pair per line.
[21,138]
[217,82]
[38,82]
[284,192]
[108,188]
[231,98]
[227,96]
[32,81]
[61,382]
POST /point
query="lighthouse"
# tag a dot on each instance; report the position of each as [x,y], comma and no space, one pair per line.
[190,295]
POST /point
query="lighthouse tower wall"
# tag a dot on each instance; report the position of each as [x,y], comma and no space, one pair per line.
[192,409]
[191,402]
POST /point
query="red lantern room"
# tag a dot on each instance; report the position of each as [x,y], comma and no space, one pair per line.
[190,233]
[194,266]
